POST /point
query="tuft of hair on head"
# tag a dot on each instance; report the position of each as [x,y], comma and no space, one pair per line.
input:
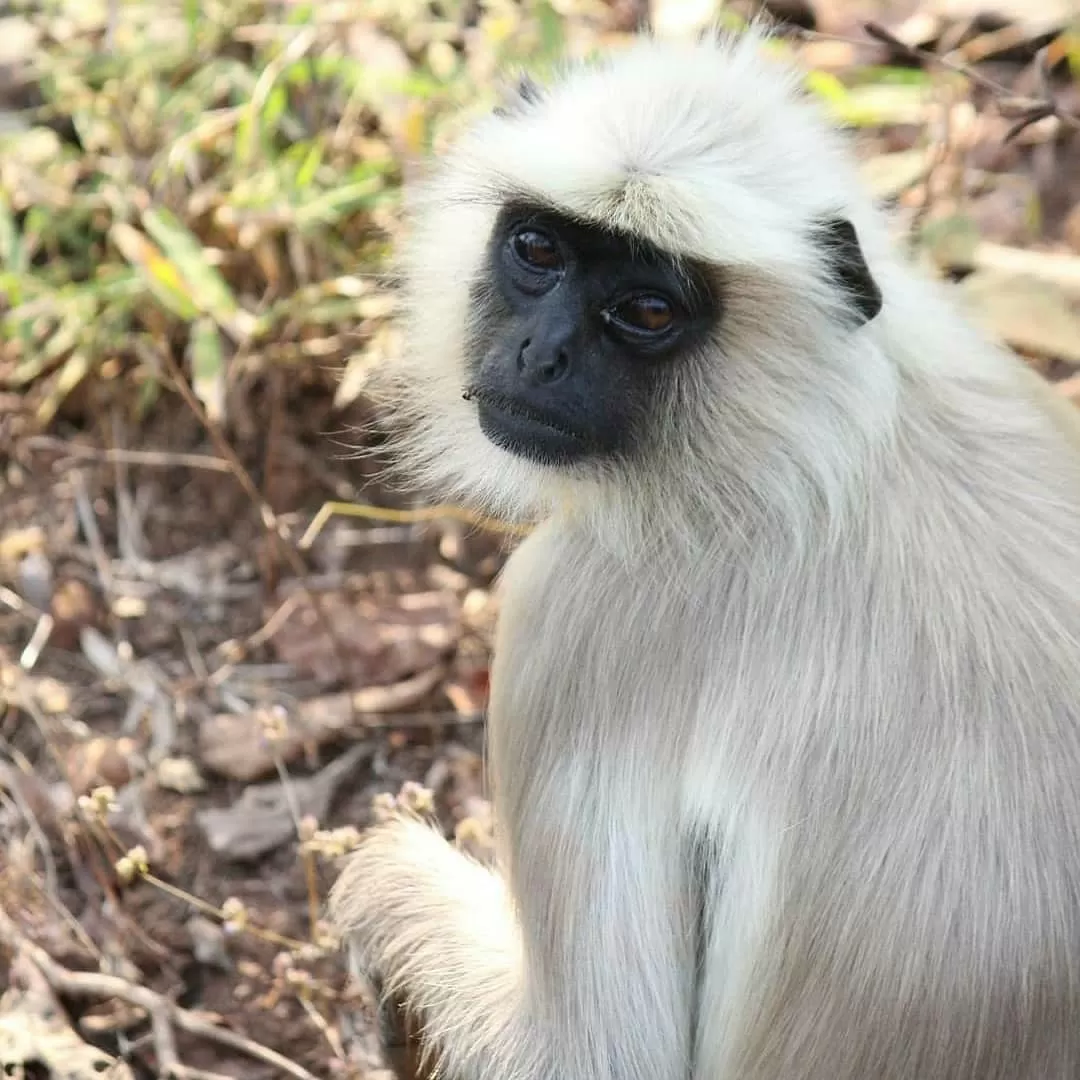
[518,96]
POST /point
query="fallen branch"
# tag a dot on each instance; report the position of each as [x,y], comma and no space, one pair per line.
[1025,110]
[34,1030]
[165,1015]
[72,453]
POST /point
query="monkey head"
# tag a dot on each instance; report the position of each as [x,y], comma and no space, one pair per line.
[643,283]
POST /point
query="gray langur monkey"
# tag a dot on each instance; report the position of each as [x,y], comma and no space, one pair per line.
[784,735]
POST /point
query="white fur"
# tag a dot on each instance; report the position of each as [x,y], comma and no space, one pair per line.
[809,676]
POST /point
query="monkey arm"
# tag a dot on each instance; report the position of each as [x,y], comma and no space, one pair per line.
[438,929]
[595,989]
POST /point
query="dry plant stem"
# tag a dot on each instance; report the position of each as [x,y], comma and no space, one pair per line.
[106,837]
[240,650]
[277,620]
[100,867]
[164,1014]
[287,790]
[282,546]
[942,151]
[208,909]
[30,655]
[405,517]
[273,435]
[84,508]
[1031,109]
[23,699]
[328,1032]
[111,455]
[43,626]
[17,802]
[70,921]
[311,878]
[129,527]
[923,56]
[13,600]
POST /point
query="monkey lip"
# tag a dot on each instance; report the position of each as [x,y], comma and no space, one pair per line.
[523,430]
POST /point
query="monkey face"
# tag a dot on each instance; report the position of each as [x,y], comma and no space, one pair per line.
[635,291]
[577,331]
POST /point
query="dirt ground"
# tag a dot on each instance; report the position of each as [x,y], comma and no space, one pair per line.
[200,592]
[183,682]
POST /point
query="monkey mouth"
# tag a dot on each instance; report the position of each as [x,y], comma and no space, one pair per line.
[525,431]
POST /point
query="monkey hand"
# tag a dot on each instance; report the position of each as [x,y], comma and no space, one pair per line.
[388,894]
[434,928]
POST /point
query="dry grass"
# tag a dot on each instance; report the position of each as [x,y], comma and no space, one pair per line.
[217,183]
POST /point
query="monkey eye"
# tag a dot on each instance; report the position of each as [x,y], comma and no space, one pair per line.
[535,249]
[642,314]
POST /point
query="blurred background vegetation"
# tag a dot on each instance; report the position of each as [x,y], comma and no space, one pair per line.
[217,183]
[198,200]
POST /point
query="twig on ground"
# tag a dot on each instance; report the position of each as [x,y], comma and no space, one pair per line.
[75,452]
[43,626]
[9,783]
[411,517]
[13,600]
[1027,110]
[130,536]
[165,1015]
[942,147]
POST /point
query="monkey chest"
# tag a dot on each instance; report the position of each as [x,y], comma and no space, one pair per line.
[594,662]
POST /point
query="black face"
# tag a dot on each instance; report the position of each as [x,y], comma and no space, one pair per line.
[577,328]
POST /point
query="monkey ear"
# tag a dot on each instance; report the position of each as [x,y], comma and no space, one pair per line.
[515,99]
[840,245]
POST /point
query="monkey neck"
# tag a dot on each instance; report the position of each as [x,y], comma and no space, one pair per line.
[912,420]
[679,538]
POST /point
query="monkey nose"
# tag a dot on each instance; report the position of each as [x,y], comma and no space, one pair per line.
[542,363]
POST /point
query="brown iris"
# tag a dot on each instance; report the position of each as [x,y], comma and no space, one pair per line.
[536,249]
[646,312]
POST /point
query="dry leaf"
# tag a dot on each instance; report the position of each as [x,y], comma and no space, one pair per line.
[100,761]
[236,744]
[1034,17]
[262,818]
[888,175]
[378,640]
[1026,313]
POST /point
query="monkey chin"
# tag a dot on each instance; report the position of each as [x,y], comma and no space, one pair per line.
[527,433]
